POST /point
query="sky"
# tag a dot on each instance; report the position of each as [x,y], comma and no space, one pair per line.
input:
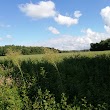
[61,24]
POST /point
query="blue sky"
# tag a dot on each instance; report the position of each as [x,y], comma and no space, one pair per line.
[62,24]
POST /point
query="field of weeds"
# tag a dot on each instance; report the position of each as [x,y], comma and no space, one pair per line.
[66,81]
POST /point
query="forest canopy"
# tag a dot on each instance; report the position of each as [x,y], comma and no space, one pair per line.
[101,46]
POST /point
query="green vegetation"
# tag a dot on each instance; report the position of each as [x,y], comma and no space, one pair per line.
[24,50]
[61,55]
[65,81]
[103,45]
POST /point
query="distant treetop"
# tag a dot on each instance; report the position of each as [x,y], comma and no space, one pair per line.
[101,46]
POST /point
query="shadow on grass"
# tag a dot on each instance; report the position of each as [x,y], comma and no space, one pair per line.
[80,77]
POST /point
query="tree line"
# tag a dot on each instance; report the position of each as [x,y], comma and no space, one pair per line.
[101,46]
[24,50]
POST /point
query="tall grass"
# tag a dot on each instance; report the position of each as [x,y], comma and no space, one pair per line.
[52,58]
[78,82]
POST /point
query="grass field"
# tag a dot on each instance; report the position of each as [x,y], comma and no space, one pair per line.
[64,81]
[61,55]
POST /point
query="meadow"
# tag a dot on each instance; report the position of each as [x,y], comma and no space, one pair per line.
[51,81]
[61,55]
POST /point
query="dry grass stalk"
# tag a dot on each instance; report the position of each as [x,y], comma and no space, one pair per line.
[51,56]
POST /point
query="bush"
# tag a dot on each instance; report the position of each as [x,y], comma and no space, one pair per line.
[44,85]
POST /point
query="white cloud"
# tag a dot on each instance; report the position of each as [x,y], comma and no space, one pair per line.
[67,42]
[105,13]
[53,30]
[77,14]
[65,20]
[43,9]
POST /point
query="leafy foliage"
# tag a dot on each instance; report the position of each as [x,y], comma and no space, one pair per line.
[74,83]
[25,50]
[103,45]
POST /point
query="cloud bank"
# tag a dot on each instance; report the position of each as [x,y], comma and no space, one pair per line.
[67,42]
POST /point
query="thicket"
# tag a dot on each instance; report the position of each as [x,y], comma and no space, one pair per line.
[25,50]
[103,45]
[75,83]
